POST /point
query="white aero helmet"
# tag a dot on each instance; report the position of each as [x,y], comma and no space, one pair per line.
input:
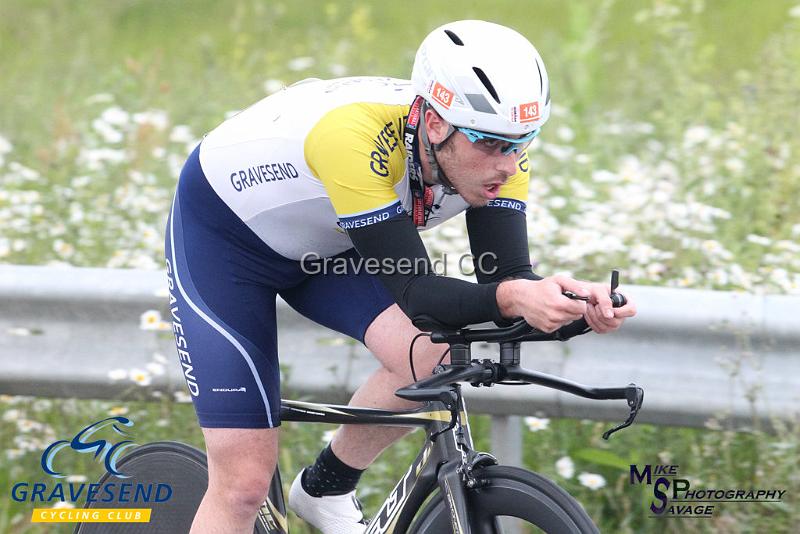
[483,76]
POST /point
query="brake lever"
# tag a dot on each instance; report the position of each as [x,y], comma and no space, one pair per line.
[634,395]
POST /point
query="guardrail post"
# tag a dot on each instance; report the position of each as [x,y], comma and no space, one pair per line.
[507,447]
[507,439]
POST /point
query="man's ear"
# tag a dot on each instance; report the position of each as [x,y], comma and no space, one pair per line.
[436,126]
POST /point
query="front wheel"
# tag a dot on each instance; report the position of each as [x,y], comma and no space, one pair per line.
[510,492]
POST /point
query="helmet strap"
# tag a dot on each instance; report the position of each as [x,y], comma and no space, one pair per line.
[437,174]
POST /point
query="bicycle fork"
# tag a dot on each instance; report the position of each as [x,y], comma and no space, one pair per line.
[461,471]
[448,461]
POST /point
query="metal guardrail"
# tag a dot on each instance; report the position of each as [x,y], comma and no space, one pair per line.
[697,354]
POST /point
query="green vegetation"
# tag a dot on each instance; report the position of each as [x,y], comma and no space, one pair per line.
[570,452]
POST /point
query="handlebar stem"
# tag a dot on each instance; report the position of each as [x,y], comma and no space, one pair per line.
[510,353]
[460,354]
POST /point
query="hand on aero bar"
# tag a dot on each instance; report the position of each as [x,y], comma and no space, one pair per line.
[600,314]
[542,302]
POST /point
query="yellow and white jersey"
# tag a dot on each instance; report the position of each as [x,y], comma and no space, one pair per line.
[302,166]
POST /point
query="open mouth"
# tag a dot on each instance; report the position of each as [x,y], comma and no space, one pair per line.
[492,190]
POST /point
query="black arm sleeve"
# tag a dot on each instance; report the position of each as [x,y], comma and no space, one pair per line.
[406,271]
[498,238]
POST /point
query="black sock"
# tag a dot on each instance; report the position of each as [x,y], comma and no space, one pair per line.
[329,476]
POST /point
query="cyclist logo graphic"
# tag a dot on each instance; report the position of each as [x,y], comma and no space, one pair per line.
[109,452]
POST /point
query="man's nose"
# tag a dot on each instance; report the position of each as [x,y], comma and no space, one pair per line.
[508,163]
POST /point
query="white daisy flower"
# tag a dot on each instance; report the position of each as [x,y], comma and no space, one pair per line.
[63,249]
[117,374]
[19,331]
[301,63]
[182,396]
[156,118]
[13,454]
[565,134]
[12,415]
[696,134]
[26,425]
[593,481]
[142,378]
[162,292]
[273,86]
[150,320]
[759,240]
[181,134]
[536,424]
[155,368]
[100,98]
[338,70]
[5,145]
[115,115]
[565,467]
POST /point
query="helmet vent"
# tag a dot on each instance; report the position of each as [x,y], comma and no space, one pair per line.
[486,83]
[453,37]
[541,78]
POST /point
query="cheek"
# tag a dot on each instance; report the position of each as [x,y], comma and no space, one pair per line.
[473,163]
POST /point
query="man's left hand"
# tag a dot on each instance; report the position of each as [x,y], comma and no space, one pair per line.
[600,313]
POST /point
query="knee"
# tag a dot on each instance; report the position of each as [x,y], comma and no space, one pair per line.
[240,466]
[244,494]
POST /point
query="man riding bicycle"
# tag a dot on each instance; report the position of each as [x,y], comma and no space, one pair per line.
[354,168]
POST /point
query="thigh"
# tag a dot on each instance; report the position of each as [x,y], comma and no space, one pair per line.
[346,302]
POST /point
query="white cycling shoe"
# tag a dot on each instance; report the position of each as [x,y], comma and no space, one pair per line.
[331,514]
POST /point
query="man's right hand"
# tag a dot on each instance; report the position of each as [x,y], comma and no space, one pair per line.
[541,302]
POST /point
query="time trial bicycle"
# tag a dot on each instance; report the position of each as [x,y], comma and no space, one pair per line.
[449,487]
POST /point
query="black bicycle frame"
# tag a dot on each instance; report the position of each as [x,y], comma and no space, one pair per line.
[441,455]
[446,458]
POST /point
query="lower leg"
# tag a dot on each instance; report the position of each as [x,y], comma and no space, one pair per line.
[354,447]
[359,445]
[388,337]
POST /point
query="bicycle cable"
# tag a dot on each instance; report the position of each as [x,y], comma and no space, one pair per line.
[443,355]
[411,353]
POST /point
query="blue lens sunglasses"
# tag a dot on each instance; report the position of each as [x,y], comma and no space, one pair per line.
[493,141]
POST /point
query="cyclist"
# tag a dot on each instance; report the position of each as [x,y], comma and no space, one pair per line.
[352,169]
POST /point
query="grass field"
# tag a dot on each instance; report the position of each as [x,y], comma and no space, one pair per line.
[672,154]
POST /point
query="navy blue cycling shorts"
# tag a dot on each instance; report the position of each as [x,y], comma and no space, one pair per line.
[223,281]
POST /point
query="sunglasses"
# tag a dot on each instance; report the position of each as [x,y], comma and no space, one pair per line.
[490,142]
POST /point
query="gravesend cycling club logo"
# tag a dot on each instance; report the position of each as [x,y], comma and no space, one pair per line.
[676,497]
[62,496]
[108,451]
